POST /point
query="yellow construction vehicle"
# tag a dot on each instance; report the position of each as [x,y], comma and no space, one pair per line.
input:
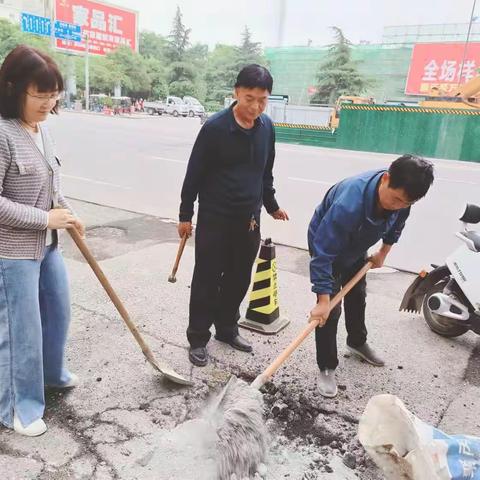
[466,97]
[334,119]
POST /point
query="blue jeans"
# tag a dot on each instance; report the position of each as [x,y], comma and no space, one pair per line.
[34,320]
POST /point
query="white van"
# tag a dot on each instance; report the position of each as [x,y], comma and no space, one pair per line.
[195,108]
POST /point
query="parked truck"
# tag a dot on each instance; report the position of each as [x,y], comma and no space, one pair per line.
[171,106]
[154,108]
[195,108]
[176,106]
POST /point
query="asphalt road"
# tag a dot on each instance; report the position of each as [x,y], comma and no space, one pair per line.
[138,164]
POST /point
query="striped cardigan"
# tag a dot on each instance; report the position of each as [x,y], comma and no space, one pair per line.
[29,185]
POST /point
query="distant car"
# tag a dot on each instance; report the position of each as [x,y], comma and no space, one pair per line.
[176,106]
[154,108]
[195,108]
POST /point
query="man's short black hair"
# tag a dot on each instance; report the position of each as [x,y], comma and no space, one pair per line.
[414,175]
[255,76]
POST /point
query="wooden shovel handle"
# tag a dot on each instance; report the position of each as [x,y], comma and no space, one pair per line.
[82,246]
[275,365]
[181,247]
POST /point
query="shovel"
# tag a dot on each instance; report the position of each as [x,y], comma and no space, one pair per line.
[238,408]
[173,276]
[159,366]
[264,377]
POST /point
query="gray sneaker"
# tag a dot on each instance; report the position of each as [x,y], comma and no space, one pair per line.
[368,354]
[327,386]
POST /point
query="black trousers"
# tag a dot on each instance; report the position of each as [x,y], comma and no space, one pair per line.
[354,304]
[225,250]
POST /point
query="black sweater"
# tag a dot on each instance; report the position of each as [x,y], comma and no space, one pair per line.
[230,169]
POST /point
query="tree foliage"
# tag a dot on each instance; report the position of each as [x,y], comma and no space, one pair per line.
[163,66]
[338,74]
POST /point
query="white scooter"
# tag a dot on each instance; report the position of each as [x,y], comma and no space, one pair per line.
[450,294]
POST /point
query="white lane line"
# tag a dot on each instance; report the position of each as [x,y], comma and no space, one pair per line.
[96,182]
[456,181]
[308,180]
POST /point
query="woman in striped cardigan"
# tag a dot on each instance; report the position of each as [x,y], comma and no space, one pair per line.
[34,292]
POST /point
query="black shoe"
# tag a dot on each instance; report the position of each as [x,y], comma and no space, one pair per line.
[237,342]
[198,356]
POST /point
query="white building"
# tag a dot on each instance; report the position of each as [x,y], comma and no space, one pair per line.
[11,9]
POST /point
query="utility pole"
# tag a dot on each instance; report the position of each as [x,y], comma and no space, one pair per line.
[51,14]
[472,15]
[87,75]
[281,22]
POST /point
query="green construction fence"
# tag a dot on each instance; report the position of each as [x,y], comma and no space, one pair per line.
[432,132]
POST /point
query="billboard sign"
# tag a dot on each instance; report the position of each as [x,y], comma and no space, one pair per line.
[67,31]
[107,26]
[437,67]
[35,24]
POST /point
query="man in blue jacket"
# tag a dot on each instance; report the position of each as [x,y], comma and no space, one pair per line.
[355,214]
[230,170]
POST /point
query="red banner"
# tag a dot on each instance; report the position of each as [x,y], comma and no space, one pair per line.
[436,68]
[107,26]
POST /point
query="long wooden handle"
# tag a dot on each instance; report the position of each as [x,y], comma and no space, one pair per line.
[82,246]
[181,247]
[275,365]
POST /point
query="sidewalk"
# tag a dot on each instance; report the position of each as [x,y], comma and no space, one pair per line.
[125,422]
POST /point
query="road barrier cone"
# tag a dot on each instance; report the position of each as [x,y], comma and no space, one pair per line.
[263,313]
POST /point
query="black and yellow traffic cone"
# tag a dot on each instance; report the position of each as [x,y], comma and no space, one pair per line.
[263,313]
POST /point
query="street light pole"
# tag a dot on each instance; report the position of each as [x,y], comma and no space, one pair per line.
[466,43]
[281,22]
[52,24]
[87,75]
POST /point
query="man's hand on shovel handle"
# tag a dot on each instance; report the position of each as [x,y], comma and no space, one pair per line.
[321,310]
[184,229]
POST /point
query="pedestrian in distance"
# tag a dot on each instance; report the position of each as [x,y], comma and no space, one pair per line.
[230,171]
[34,291]
[354,215]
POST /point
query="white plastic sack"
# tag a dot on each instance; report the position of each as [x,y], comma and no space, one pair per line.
[404,447]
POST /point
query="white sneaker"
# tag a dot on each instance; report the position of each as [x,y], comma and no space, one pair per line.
[327,386]
[35,429]
[73,382]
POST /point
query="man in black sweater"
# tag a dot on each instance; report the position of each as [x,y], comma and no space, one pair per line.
[230,169]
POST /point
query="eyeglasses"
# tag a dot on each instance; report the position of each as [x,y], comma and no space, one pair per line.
[45,98]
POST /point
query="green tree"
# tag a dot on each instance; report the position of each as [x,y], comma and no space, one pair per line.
[223,66]
[178,40]
[157,71]
[220,74]
[338,74]
[153,48]
[182,74]
[197,57]
[122,67]
[152,45]
[249,51]
[134,76]
[11,36]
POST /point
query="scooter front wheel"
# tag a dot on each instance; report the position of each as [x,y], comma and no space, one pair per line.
[444,326]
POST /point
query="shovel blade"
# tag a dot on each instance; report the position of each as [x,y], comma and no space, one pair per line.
[413,298]
[167,371]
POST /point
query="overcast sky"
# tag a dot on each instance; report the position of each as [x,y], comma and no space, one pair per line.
[221,21]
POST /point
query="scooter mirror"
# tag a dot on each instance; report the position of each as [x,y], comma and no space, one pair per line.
[471,214]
